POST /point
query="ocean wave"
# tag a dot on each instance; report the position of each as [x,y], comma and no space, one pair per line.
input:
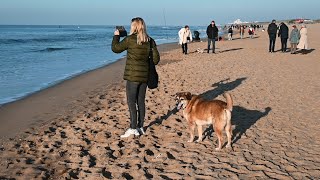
[52,39]
[52,49]
[24,41]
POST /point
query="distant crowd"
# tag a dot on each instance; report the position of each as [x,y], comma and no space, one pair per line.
[297,38]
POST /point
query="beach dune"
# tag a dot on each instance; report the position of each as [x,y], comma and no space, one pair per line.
[275,119]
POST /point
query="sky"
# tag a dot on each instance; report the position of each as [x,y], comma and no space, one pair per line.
[160,12]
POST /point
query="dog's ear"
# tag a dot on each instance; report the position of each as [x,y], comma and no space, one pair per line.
[188,95]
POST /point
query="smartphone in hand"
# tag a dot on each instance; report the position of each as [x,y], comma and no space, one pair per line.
[122,31]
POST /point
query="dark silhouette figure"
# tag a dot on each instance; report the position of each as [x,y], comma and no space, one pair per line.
[196,36]
[272,31]
[284,35]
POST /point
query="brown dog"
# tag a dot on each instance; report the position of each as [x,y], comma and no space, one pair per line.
[198,111]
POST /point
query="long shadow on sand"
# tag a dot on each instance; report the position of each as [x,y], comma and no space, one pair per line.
[233,49]
[219,88]
[305,51]
[238,38]
[243,119]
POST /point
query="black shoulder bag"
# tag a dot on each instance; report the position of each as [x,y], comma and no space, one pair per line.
[153,76]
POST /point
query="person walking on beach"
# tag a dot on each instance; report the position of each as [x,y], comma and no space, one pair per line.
[272,31]
[230,32]
[283,34]
[184,36]
[241,31]
[136,70]
[251,32]
[212,33]
[294,39]
[303,43]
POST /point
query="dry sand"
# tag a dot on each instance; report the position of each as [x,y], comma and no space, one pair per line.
[275,121]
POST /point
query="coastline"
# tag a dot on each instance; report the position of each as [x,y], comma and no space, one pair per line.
[49,104]
[274,121]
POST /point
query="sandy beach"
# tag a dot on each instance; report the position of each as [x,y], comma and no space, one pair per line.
[72,130]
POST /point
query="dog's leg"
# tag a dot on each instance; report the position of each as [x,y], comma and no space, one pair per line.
[228,128]
[219,135]
[191,129]
[200,133]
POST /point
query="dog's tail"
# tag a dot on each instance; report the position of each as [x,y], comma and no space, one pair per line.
[229,101]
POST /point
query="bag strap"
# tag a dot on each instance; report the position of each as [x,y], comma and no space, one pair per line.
[150,50]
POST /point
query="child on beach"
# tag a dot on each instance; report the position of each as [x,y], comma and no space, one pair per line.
[184,36]
[136,70]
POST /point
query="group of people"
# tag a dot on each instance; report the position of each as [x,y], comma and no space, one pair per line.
[242,28]
[298,39]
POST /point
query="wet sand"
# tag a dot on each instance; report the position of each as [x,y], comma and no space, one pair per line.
[275,119]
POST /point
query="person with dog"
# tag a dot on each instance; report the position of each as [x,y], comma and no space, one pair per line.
[283,34]
[137,45]
[212,33]
[272,31]
[184,36]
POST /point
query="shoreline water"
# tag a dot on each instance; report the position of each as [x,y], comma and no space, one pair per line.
[48,104]
[37,57]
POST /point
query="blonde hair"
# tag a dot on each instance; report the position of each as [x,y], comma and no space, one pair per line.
[138,27]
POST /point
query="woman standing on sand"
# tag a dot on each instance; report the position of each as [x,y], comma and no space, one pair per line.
[184,36]
[294,39]
[136,71]
[303,43]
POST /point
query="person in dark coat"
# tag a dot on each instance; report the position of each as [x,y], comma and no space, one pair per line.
[272,31]
[230,32]
[212,32]
[283,34]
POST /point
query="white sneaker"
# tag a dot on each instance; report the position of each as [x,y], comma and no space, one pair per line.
[141,131]
[130,132]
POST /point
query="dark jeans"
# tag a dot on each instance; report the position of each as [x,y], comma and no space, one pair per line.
[213,44]
[136,93]
[184,48]
[284,44]
[272,43]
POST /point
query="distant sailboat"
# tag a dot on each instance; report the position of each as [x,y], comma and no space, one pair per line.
[165,22]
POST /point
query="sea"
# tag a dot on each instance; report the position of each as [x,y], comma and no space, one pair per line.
[35,57]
